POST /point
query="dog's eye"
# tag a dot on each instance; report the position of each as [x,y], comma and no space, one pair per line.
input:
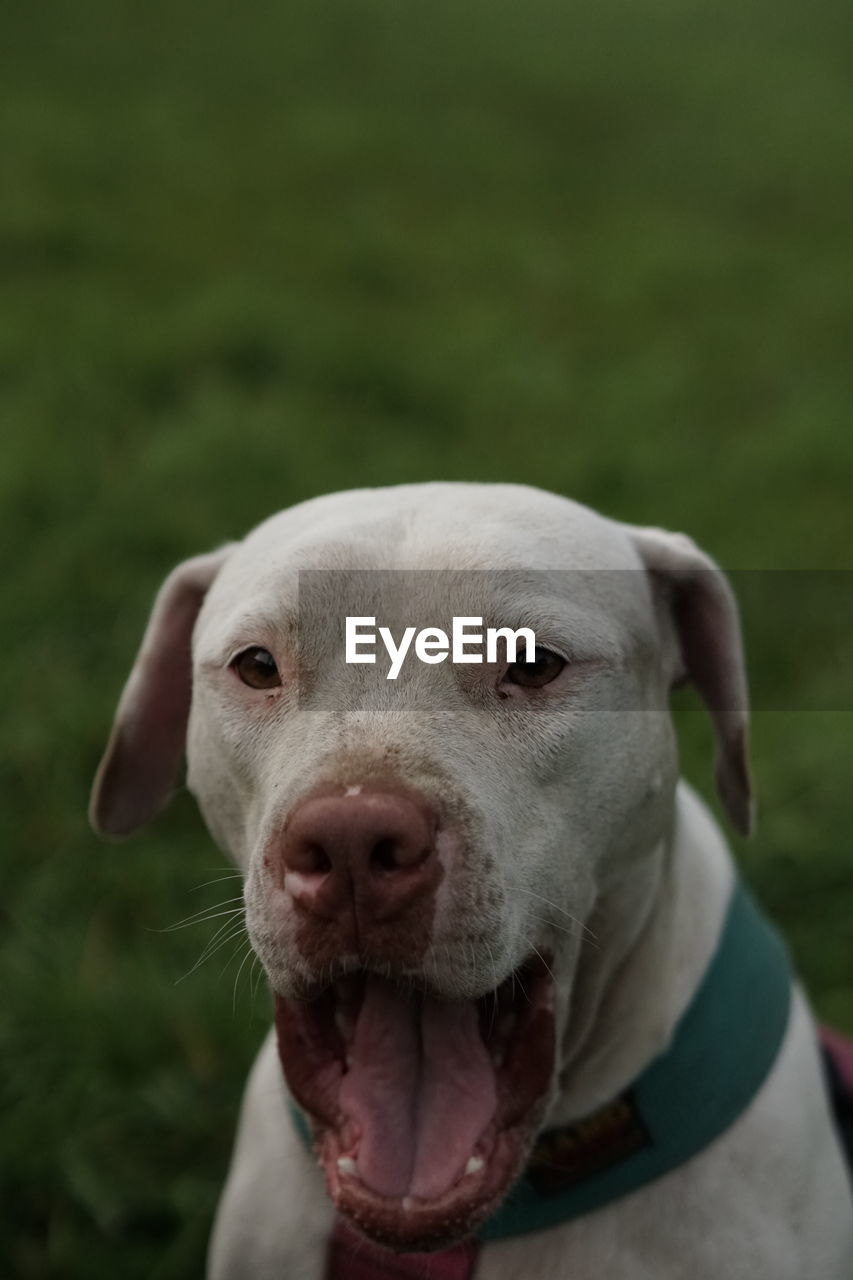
[256,667]
[544,668]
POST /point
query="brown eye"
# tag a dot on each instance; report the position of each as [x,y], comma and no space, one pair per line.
[256,667]
[545,667]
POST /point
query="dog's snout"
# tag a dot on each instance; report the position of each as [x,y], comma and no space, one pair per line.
[372,852]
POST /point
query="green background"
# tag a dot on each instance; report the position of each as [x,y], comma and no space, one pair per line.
[250,253]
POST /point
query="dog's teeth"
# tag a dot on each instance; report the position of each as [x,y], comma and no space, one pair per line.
[474,1165]
[407,1202]
[346,1164]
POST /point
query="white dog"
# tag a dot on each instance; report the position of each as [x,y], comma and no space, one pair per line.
[520,997]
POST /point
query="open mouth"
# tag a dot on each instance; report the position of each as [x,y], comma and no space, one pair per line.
[423,1109]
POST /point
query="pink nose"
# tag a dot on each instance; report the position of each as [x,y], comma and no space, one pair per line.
[371,854]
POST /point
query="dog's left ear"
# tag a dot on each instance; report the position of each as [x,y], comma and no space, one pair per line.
[698,599]
[140,765]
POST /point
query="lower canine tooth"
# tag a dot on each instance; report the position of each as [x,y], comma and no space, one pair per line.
[474,1165]
[346,1164]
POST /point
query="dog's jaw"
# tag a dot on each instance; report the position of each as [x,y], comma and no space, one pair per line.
[423,1109]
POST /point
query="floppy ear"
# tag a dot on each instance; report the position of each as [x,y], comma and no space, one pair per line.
[140,765]
[704,614]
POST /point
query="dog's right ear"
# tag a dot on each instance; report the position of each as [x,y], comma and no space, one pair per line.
[140,765]
[703,612]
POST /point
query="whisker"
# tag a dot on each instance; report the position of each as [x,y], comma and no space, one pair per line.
[230,960]
[231,875]
[210,950]
[210,946]
[215,915]
[495,985]
[558,908]
[544,961]
[198,917]
[249,953]
[570,933]
[258,975]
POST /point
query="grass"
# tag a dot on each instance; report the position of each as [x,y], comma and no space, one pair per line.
[252,254]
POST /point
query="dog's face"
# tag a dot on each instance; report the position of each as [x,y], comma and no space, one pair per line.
[421,855]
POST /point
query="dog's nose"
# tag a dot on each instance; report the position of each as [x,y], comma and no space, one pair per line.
[373,853]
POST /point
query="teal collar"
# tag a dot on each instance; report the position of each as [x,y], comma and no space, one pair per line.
[722,1050]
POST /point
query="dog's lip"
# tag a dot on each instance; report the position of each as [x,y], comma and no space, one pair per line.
[415,1224]
[514,1028]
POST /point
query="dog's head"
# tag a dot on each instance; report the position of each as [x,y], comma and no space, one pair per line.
[422,855]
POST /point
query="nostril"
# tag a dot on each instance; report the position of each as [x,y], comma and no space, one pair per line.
[385,855]
[309,859]
[320,860]
[391,853]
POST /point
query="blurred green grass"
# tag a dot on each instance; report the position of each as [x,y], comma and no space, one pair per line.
[251,254]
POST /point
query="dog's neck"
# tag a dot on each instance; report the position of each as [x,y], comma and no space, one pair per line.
[656,931]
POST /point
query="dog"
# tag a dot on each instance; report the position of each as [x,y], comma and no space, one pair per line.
[505,941]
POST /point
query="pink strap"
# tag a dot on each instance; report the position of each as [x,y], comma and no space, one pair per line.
[352,1257]
[841,1050]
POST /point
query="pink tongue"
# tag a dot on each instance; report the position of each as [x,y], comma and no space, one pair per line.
[420,1087]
